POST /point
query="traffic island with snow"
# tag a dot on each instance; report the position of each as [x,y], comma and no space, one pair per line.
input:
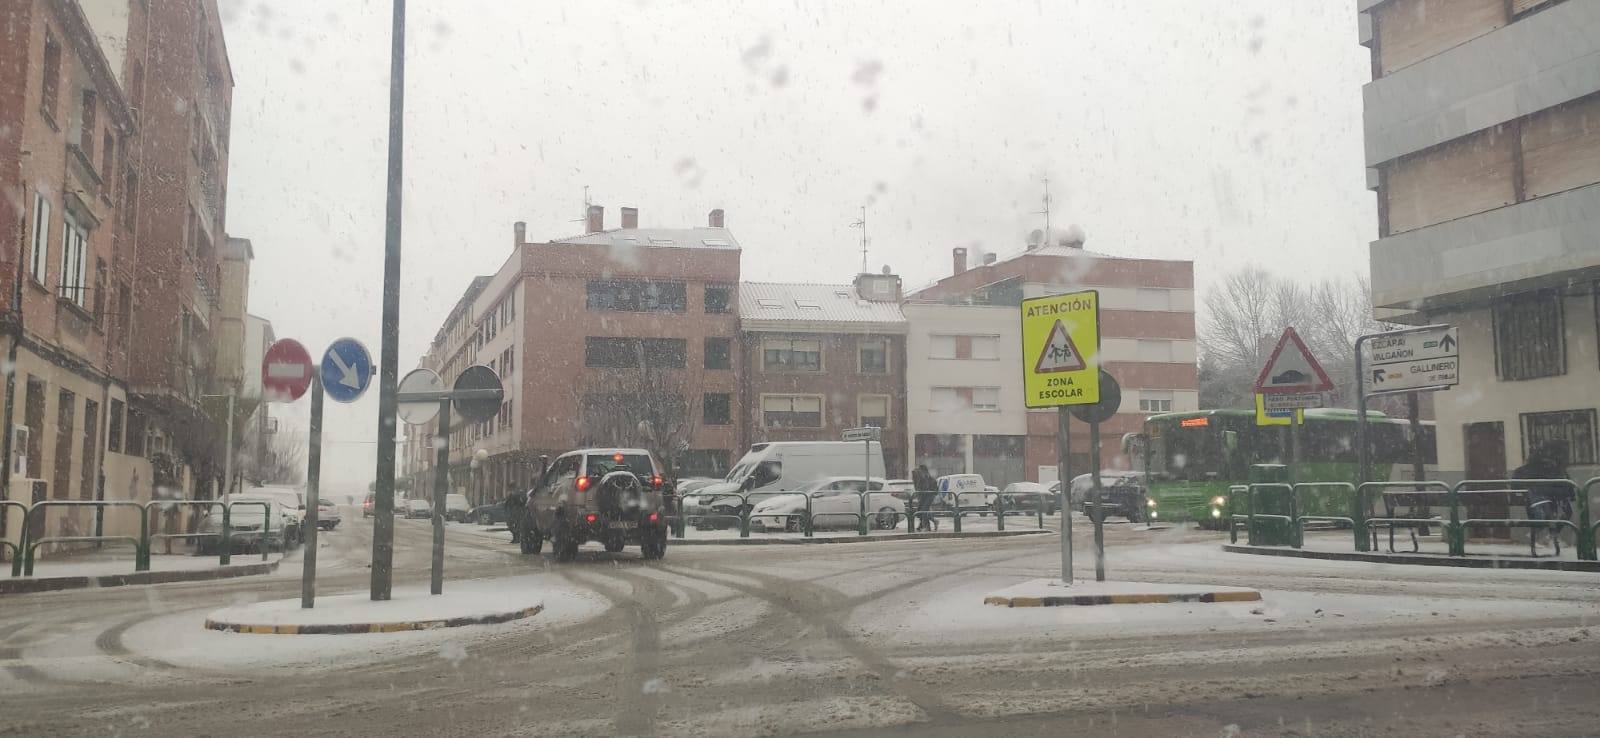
[473,602]
[1055,593]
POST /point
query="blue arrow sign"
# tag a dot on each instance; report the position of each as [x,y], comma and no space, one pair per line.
[346,370]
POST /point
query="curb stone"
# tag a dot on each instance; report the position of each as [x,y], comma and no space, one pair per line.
[1123,599]
[28,585]
[389,627]
[1373,557]
[753,541]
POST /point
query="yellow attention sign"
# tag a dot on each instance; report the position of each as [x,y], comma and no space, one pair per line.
[1061,349]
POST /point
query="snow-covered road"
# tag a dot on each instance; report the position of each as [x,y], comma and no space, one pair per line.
[883,637]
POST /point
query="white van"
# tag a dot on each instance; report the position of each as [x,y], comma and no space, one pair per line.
[785,465]
[970,492]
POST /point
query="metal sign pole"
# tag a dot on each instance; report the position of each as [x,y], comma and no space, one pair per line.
[1064,470]
[1363,453]
[389,361]
[441,483]
[308,575]
[1099,516]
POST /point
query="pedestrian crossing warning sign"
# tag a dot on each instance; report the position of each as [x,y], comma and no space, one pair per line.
[1058,354]
[1060,349]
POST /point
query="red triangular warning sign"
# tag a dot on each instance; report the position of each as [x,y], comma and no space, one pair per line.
[1059,354]
[1294,370]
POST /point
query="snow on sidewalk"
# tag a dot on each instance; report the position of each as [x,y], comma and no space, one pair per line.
[113,565]
[409,608]
[1053,592]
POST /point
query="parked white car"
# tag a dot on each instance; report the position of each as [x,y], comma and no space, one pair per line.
[328,515]
[970,491]
[834,503]
[418,508]
[245,527]
[456,508]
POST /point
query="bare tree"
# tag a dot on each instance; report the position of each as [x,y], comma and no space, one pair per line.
[283,463]
[651,408]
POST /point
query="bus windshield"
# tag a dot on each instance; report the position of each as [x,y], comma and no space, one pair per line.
[1179,451]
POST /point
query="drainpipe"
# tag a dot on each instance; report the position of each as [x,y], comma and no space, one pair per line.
[11,350]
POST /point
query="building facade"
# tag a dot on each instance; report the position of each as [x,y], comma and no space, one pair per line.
[820,358]
[114,151]
[615,337]
[964,363]
[1482,125]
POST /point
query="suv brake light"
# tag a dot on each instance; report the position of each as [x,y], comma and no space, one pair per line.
[590,518]
[655,481]
[583,483]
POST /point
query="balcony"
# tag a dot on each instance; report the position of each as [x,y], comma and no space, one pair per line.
[1531,244]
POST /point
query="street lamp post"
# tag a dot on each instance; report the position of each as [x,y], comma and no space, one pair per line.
[389,359]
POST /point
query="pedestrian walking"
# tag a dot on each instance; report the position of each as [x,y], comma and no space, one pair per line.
[925,488]
[515,504]
[1547,500]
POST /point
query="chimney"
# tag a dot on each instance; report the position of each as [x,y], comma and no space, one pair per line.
[596,219]
[959,256]
[989,258]
[521,230]
[630,217]
[714,220]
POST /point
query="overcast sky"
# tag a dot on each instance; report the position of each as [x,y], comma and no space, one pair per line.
[1227,133]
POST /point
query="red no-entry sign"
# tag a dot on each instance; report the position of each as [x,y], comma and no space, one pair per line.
[285,371]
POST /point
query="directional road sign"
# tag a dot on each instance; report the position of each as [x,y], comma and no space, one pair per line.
[285,371]
[1416,360]
[1292,369]
[1280,401]
[346,370]
[478,393]
[417,382]
[1060,349]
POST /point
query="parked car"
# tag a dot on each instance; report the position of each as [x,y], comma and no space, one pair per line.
[292,508]
[611,495]
[900,488]
[368,505]
[780,465]
[490,514]
[1121,493]
[969,491]
[417,507]
[328,515]
[1029,496]
[457,508]
[245,525]
[835,501]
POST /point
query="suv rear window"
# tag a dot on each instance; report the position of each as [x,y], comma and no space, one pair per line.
[603,464]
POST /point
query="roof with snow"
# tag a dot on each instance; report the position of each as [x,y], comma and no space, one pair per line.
[815,307]
[696,238]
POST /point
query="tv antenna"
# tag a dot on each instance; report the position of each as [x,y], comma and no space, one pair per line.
[586,205]
[1046,213]
[862,224]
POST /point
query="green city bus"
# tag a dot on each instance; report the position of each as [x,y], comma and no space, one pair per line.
[1191,459]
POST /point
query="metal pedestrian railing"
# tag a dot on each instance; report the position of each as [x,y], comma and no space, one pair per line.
[24,552]
[1414,494]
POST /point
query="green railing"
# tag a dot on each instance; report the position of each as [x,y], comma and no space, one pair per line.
[1001,511]
[25,551]
[1455,524]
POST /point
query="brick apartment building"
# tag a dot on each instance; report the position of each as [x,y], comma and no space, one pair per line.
[965,407]
[115,151]
[594,334]
[820,358]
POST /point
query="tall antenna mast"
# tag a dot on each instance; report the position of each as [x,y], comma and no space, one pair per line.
[1046,212]
[586,204]
[862,224]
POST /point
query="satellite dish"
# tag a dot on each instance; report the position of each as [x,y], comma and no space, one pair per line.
[887,271]
[1036,237]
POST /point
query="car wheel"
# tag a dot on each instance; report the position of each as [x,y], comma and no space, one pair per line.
[531,540]
[484,519]
[563,545]
[791,524]
[888,519]
[654,545]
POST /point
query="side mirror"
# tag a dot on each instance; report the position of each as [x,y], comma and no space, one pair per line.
[1133,444]
[748,484]
[1230,444]
[544,464]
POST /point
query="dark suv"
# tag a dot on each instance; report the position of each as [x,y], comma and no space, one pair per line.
[611,495]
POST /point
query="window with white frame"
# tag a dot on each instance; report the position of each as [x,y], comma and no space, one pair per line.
[873,410]
[979,399]
[986,399]
[791,355]
[791,411]
[1155,401]
[872,356]
[74,258]
[941,347]
[39,253]
[985,347]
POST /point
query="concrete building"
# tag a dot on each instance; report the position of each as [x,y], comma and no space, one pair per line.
[964,393]
[817,359]
[616,336]
[1483,144]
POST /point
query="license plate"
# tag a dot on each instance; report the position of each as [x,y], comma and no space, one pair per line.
[623,524]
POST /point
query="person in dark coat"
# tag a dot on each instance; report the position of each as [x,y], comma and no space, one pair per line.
[925,488]
[1548,500]
[516,509]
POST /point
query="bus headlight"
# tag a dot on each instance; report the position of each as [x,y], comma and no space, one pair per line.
[1215,513]
[1150,503]
[1219,500]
